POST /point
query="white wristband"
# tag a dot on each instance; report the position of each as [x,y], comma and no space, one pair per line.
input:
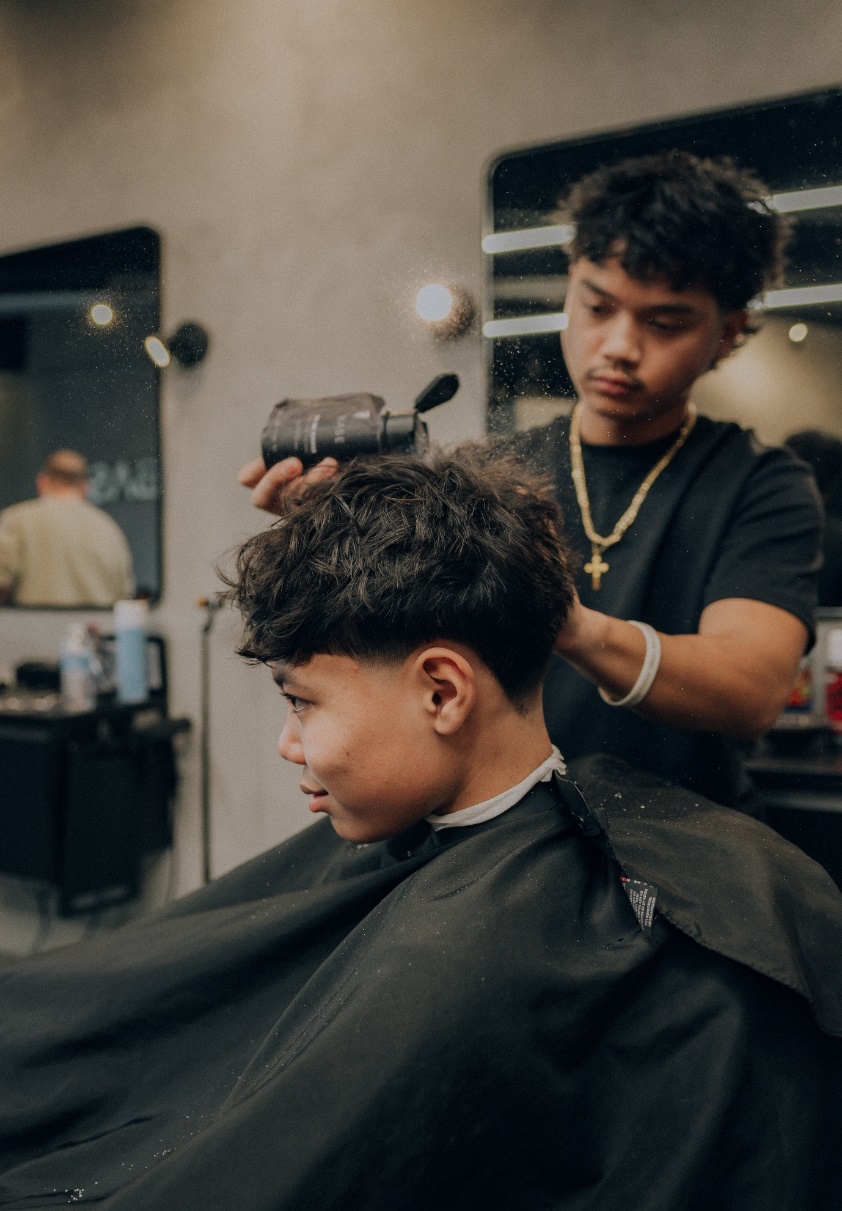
[651,663]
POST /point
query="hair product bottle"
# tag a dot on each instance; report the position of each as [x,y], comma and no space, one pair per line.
[130,663]
[76,670]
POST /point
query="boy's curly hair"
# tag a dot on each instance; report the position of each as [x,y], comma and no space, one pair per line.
[400,551]
[696,222]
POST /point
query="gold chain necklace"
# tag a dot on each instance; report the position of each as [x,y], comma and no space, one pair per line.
[597,567]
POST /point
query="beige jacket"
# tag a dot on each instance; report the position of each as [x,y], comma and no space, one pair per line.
[56,551]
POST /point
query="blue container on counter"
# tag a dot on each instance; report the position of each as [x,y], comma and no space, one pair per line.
[131,668]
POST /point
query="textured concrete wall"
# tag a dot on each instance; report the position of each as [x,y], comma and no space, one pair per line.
[309,165]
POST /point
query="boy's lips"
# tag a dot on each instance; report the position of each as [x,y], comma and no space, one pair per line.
[316,796]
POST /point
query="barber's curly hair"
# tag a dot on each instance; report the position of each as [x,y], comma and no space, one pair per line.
[696,222]
[400,551]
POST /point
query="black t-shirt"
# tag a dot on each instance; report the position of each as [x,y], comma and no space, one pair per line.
[728,517]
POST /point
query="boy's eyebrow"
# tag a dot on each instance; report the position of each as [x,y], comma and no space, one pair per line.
[282,675]
[293,688]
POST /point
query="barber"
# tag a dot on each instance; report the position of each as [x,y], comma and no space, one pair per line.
[698,546]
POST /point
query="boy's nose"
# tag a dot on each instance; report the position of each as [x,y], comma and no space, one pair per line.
[289,741]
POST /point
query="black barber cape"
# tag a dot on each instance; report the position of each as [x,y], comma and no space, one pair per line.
[474,1019]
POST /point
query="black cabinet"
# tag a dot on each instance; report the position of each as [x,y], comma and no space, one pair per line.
[83,796]
[801,794]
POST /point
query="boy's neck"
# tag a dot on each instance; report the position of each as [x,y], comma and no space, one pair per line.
[507,751]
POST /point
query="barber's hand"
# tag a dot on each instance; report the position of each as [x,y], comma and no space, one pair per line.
[575,632]
[284,482]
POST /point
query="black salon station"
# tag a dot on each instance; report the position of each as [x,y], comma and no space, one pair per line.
[85,794]
[800,790]
[796,768]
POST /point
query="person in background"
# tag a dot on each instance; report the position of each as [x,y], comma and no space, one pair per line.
[698,547]
[59,549]
[823,455]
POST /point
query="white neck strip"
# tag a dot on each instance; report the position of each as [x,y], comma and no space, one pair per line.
[478,813]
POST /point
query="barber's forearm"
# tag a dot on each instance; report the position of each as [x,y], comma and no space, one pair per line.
[704,683]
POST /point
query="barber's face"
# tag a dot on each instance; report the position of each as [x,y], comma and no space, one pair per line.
[635,348]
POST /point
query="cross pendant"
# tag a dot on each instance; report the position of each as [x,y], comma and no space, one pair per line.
[596,568]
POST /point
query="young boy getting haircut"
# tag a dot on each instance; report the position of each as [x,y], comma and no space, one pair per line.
[408,618]
[473,986]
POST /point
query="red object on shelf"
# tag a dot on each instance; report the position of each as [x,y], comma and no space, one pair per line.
[801,695]
[833,699]
[833,679]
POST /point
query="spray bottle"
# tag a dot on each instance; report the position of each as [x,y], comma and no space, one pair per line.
[76,670]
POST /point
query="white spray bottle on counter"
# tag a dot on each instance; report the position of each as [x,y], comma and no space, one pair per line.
[76,670]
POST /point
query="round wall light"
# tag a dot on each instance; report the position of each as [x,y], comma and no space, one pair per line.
[448,311]
[101,314]
[434,303]
[798,333]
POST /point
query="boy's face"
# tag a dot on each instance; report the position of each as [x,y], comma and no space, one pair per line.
[364,734]
[635,348]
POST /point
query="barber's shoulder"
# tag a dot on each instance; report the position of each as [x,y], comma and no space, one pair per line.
[780,468]
[742,447]
[747,440]
[724,432]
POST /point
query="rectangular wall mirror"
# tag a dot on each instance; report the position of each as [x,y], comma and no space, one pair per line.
[788,376]
[75,377]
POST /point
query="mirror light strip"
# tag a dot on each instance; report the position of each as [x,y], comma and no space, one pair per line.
[556,321]
[528,237]
[807,199]
[549,237]
[526,325]
[803,296]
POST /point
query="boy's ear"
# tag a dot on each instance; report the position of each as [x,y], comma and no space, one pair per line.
[448,687]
